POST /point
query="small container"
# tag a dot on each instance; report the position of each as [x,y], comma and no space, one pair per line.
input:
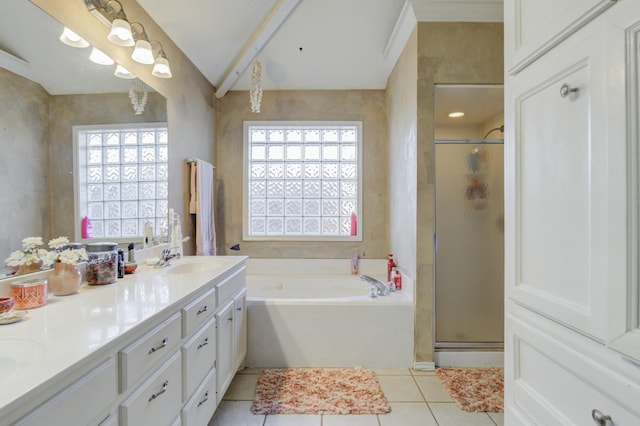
[29,294]
[397,280]
[6,304]
[102,266]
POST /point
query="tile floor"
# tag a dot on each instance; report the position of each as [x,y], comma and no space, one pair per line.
[417,398]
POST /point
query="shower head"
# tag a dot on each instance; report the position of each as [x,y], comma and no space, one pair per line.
[501,128]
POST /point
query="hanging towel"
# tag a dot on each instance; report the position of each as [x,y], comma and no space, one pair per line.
[193,200]
[205,223]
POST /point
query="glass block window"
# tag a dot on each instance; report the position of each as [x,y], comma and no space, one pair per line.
[122,178]
[302,180]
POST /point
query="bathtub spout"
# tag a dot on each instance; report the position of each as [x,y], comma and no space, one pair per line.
[380,288]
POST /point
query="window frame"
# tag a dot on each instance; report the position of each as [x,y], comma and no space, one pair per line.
[78,152]
[297,124]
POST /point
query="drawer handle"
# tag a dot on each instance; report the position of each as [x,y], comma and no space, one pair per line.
[239,309]
[206,396]
[204,343]
[163,390]
[202,310]
[566,90]
[599,418]
[162,345]
[230,319]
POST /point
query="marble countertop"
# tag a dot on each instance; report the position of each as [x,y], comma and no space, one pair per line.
[68,330]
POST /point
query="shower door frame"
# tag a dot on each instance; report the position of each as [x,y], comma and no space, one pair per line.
[448,345]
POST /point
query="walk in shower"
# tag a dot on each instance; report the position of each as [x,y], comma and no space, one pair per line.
[469,224]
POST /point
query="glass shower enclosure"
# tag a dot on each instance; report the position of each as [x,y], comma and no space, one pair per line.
[469,245]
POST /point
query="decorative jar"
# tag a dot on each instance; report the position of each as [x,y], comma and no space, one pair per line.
[65,279]
[102,266]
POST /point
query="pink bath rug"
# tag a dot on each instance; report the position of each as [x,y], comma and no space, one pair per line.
[319,391]
[475,389]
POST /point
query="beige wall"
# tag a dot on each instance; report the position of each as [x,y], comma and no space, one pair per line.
[367,106]
[190,100]
[448,53]
[24,162]
[402,109]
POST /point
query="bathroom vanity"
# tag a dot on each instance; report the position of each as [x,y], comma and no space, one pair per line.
[160,346]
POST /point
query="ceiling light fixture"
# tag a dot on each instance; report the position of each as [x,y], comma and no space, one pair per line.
[456,114]
[161,67]
[122,72]
[99,57]
[72,39]
[120,33]
[142,52]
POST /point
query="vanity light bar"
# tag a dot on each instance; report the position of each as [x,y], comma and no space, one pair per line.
[143,51]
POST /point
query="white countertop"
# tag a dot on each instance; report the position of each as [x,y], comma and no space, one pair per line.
[70,329]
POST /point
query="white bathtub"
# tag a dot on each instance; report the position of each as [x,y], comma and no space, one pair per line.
[314,313]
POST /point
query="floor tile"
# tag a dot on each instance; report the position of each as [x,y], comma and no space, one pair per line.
[236,413]
[408,414]
[250,371]
[422,372]
[350,420]
[400,388]
[498,418]
[447,414]
[293,420]
[242,388]
[392,371]
[433,389]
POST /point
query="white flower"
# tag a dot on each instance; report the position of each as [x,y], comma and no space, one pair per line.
[72,256]
[16,258]
[58,243]
[31,243]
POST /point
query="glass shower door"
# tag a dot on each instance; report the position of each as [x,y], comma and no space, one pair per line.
[469,259]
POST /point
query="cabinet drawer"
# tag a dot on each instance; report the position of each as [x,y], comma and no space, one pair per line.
[198,357]
[139,357]
[200,408]
[93,392]
[230,286]
[198,312]
[158,399]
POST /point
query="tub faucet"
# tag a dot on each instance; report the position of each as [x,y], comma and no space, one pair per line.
[378,288]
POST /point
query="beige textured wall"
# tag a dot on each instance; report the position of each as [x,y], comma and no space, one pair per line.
[448,53]
[67,111]
[402,107]
[190,100]
[367,106]
[24,162]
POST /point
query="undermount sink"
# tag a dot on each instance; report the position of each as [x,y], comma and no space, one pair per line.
[191,266]
[16,354]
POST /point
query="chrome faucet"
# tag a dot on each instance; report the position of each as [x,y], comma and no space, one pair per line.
[377,287]
[166,256]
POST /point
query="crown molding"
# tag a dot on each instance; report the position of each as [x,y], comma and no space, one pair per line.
[458,10]
[402,30]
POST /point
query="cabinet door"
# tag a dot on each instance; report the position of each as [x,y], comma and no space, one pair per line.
[561,193]
[94,392]
[533,27]
[224,348]
[240,328]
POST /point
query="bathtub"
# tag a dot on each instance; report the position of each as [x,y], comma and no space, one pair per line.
[314,313]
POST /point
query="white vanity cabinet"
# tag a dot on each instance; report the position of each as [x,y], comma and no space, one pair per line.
[86,398]
[572,333]
[163,370]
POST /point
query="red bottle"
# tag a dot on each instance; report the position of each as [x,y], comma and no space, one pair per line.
[390,264]
[397,280]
